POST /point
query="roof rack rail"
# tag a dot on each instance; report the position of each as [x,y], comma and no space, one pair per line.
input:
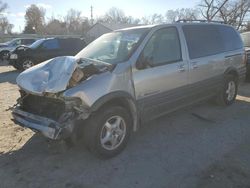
[200,21]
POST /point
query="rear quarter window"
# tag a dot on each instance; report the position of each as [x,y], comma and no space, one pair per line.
[231,39]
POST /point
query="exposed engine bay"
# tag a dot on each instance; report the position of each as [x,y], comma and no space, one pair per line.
[81,74]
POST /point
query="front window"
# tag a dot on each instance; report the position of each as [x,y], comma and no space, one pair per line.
[114,47]
[14,42]
[163,47]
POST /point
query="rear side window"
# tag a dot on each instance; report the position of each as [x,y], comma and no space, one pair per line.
[51,44]
[230,37]
[202,40]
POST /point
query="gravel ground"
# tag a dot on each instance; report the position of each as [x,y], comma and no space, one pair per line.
[178,150]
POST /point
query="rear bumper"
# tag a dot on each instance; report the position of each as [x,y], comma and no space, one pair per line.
[48,127]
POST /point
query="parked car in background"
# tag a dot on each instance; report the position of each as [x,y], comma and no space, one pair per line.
[7,47]
[128,77]
[25,57]
[246,40]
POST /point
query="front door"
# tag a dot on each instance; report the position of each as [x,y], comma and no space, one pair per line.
[159,84]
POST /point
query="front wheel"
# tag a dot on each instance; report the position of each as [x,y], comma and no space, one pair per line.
[4,55]
[228,92]
[107,132]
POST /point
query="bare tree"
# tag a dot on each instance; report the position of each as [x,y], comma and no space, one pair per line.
[153,19]
[34,19]
[116,15]
[234,13]
[181,14]
[3,6]
[5,26]
[209,9]
[55,27]
[75,22]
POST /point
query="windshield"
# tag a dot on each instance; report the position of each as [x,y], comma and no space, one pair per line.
[114,47]
[246,39]
[14,42]
[36,44]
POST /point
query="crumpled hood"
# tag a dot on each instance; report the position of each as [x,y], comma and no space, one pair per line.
[51,76]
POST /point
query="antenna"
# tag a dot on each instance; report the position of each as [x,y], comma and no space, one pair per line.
[91,15]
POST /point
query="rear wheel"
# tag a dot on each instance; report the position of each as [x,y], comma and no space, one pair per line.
[27,63]
[107,132]
[228,93]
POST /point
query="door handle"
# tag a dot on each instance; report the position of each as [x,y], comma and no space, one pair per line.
[194,65]
[181,68]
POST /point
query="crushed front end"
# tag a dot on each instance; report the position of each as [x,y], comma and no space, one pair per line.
[42,106]
[53,117]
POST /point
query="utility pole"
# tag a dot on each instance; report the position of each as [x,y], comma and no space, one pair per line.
[91,15]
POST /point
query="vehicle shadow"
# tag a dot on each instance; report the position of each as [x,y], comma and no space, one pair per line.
[167,151]
[9,76]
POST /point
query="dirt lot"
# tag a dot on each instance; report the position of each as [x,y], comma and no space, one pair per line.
[178,150]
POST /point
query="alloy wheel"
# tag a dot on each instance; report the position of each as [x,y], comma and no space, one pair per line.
[231,90]
[27,64]
[113,133]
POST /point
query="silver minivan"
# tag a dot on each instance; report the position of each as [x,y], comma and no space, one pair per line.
[128,77]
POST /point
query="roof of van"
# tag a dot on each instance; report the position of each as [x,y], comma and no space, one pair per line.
[172,24]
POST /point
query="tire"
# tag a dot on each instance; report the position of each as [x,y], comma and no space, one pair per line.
[26,63]
[228,92]
[102,135]
[4,55]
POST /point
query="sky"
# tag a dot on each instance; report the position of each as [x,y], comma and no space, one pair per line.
[58,8]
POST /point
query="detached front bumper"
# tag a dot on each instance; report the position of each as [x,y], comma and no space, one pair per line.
[48,127]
